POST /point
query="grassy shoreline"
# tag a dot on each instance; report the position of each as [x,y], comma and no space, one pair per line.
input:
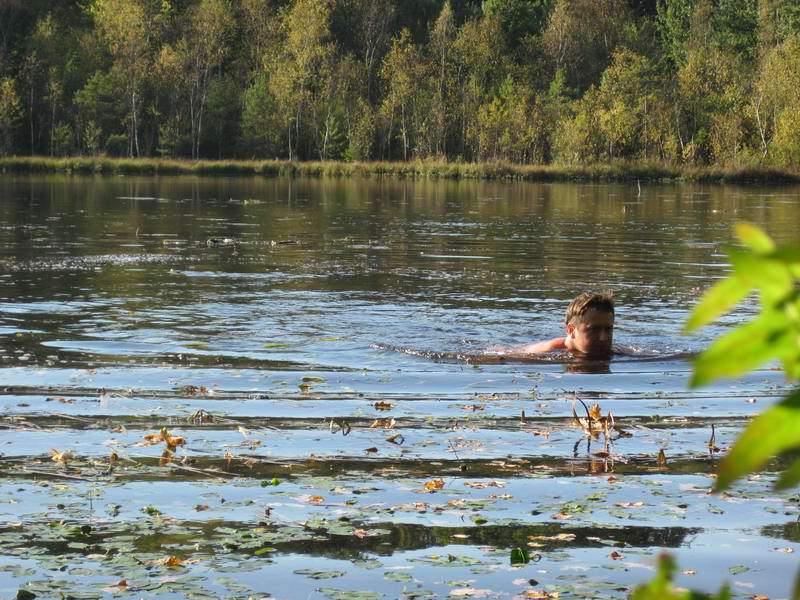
[623,171]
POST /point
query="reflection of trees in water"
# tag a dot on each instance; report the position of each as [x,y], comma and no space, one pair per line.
[407,536]
[533,245]
[787,531]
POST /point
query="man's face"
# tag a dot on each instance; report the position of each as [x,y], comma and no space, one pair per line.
[592,333]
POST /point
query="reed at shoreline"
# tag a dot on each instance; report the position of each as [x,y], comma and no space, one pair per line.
[622,171]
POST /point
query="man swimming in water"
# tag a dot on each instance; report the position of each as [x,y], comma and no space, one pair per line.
[589,329]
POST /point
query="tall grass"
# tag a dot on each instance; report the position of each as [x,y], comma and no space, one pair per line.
[621,171]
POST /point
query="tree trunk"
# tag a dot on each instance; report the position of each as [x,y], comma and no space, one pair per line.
[405,133]
[193,119]
[30,119]
[761,128]
[135,124]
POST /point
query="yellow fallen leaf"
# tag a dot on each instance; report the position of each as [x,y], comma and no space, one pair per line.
[172,561]
[434,484]
[540,594]
[62,457]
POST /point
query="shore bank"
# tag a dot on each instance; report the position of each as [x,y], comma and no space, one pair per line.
[623,171]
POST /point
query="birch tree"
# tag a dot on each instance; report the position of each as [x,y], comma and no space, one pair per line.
[299,71]
[126,28]
[205,45]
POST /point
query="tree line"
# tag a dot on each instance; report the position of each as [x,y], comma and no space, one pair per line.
[526,81]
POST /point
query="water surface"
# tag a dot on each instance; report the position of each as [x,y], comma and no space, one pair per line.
[326,335]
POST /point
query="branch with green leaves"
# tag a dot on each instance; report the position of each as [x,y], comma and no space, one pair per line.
[774,272]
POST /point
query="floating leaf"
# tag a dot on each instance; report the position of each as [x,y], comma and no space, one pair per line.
[172,561]
[738,569]
[434,484]
[311,574]
[637,504]
[61,457]
[398,576]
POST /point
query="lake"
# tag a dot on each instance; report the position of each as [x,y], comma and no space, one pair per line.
[314,350]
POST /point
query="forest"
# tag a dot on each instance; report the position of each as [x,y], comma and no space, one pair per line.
[572,82]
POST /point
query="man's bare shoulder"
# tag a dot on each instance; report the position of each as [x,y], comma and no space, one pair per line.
[537,347]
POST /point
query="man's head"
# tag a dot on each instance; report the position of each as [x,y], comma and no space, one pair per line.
[590,325]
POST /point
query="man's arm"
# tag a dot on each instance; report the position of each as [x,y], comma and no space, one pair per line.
[539,347]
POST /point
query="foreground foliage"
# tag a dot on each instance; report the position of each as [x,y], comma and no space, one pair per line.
[774,272]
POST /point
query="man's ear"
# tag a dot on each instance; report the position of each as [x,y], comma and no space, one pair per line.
[570,328]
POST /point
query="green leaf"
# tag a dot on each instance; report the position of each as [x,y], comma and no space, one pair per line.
[738,569]
[768,434]
[771,276]
[767,337]
[717,301]
[790,477]
[754,238]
